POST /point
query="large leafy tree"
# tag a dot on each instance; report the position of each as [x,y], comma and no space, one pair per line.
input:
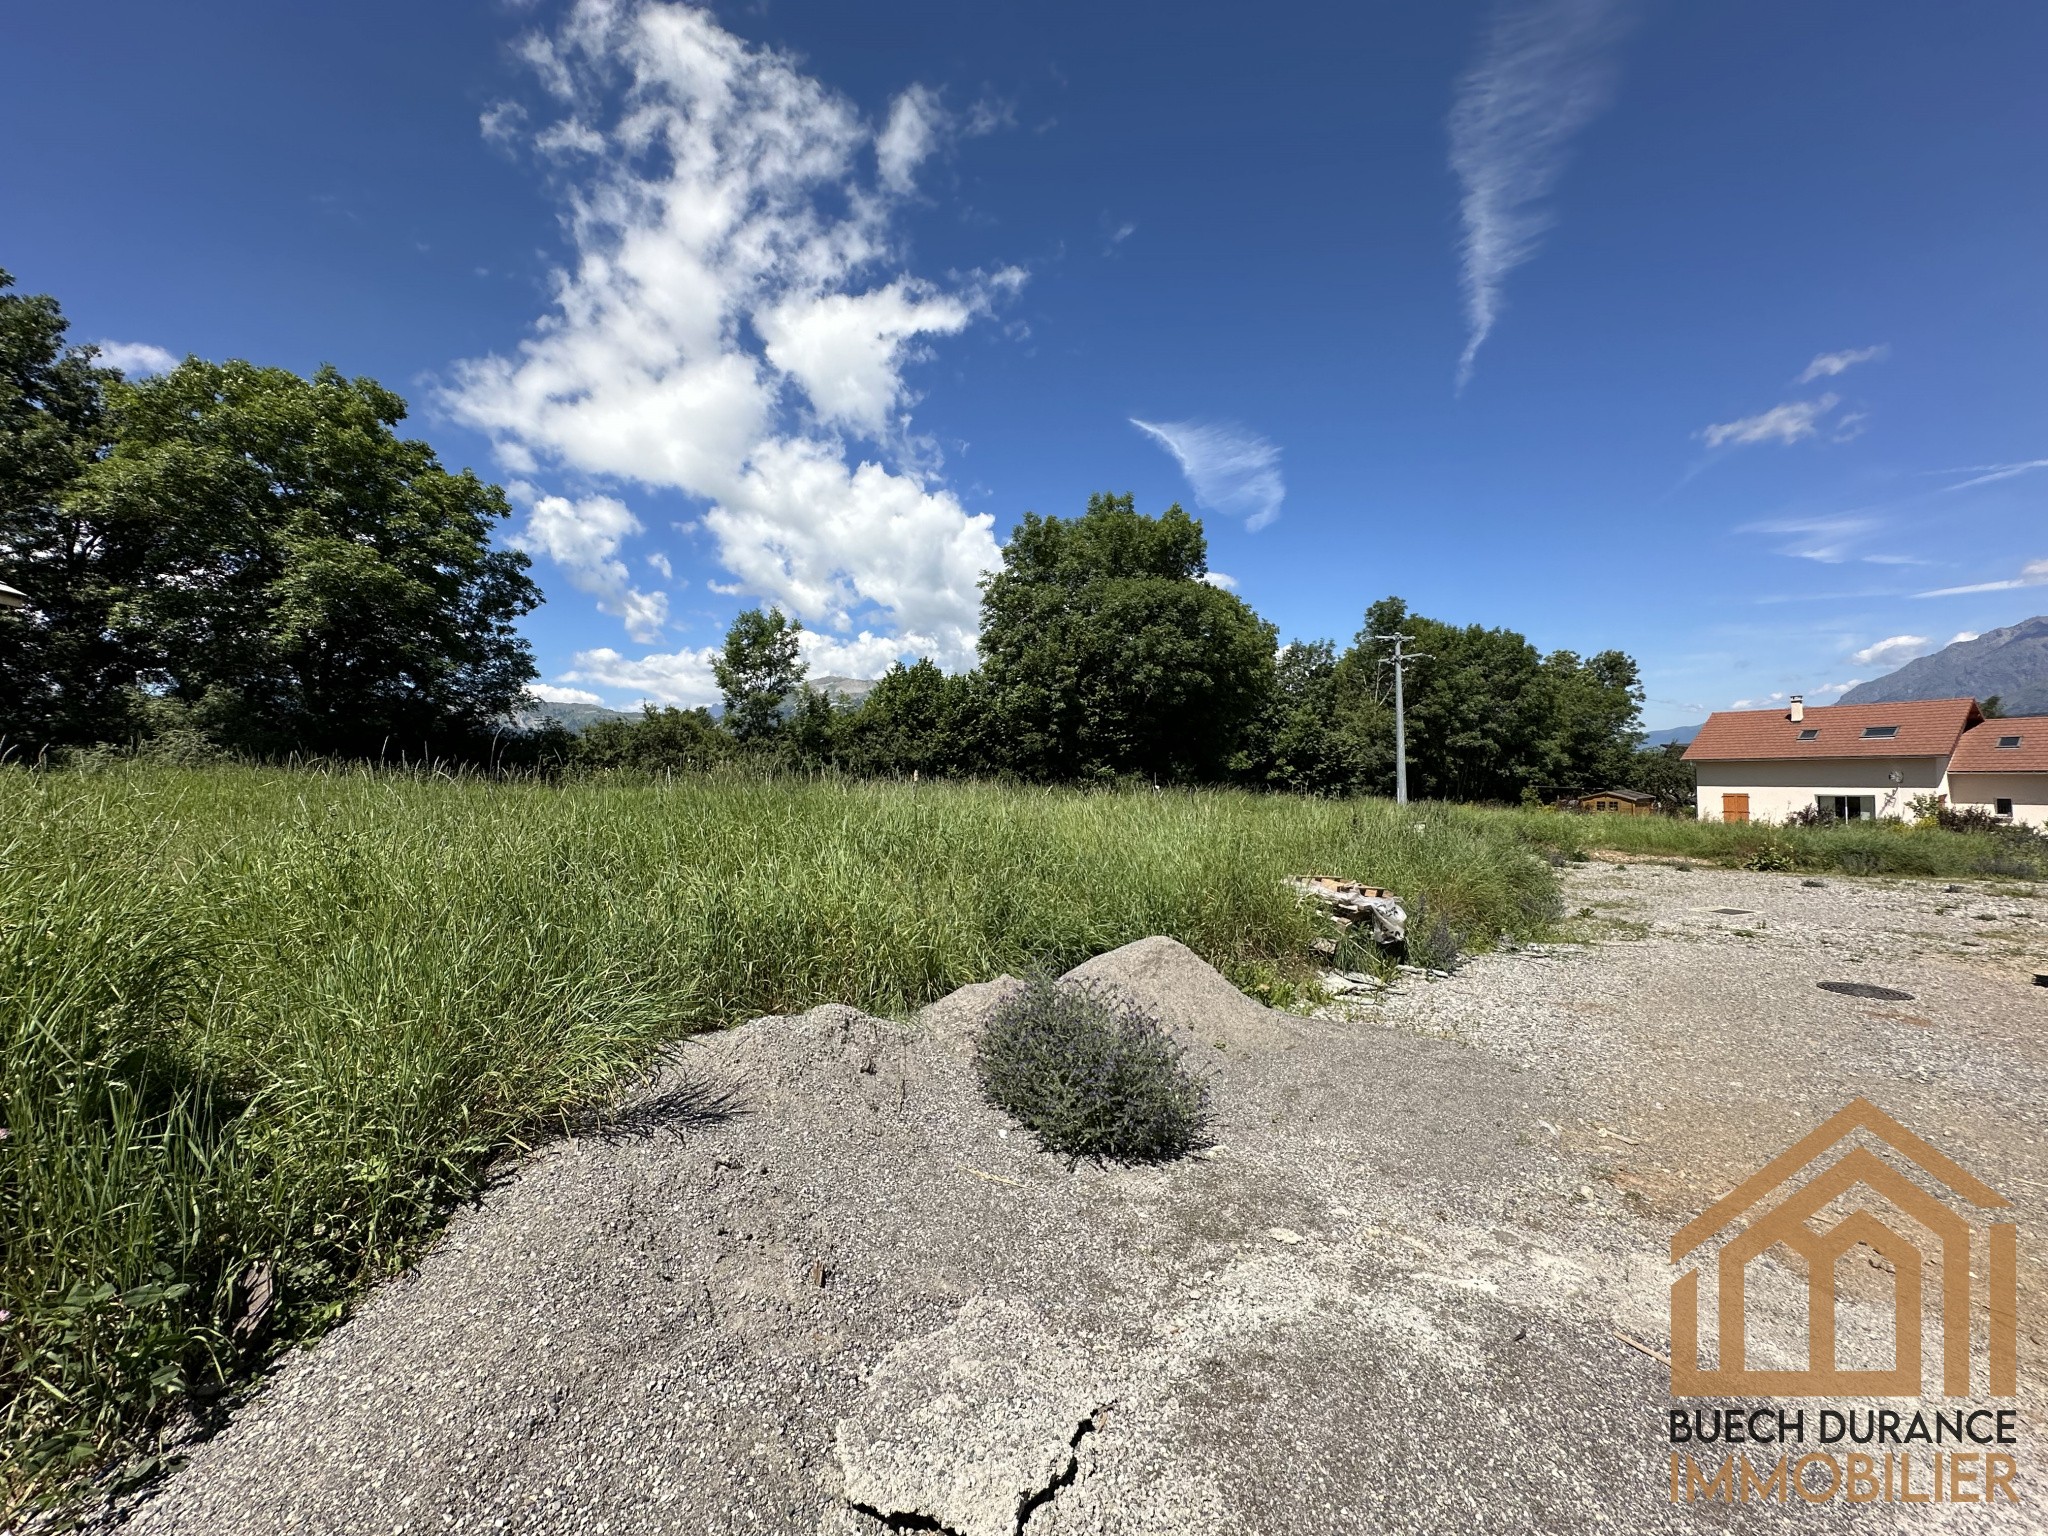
[759,672]
[307,580]
[61,669]
[1107,653]
[256,550]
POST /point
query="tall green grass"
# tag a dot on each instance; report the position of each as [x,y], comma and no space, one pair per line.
[257,1015]
[1850,847]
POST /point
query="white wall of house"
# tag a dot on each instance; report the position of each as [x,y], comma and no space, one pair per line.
[2028,793]
[1777,789]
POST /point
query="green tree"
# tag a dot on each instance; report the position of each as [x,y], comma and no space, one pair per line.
[254,555]
[62,671]
[1663,772]
[309,579]
[1488,717]
[665,740]
[1106,652]
[759,671]
[919,720]
[1306,742]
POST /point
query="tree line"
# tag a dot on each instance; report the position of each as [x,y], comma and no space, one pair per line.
[1106,655]
[232,559]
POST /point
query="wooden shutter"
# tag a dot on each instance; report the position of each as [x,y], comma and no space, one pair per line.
[1735,807]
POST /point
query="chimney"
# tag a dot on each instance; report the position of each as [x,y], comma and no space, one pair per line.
[1798,707]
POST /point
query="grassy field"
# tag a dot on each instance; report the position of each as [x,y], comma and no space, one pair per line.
[290,1017]
[1849,848]
[256,1015]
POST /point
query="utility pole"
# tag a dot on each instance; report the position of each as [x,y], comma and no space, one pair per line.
[1400,658]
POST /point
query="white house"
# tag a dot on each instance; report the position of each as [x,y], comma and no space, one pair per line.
[1851,760]
[2001,766]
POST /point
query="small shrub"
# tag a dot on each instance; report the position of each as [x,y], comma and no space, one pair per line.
[1090,1074]
[1770,855]
[1432,942]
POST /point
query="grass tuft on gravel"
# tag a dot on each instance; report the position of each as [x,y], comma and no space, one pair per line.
[258,1016]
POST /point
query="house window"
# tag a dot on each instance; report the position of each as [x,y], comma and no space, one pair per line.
[2003,807]
[1811,733]
[2008,743]
[1879,732]
[1848,807]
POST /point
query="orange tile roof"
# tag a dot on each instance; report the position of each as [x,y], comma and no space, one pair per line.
[1927,728]
[1981,753]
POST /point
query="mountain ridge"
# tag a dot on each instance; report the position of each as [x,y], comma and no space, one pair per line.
[2011,662]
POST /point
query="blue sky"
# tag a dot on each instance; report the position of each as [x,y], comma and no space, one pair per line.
[1710,332]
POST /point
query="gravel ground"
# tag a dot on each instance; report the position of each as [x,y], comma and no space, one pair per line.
[811,1284]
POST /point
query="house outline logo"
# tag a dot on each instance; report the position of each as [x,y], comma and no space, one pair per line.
[1786,1224]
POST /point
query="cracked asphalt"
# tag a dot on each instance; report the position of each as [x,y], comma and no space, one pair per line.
[810,1283]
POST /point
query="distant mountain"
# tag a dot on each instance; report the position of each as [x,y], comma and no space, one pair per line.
[2010,662]
[844,690]
[577,717]
[1681,734]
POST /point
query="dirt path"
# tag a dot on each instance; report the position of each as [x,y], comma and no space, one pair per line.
[813,1285]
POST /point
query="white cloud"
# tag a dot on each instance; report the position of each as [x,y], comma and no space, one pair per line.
[735,311]
[135,357]
[682,678]
[1219,580]
[863,655]
[1984,474]
[916,121]
[502,122]
[2033,574]
[569,137]
[1544,71]
[548,693]
[848,350]
[1962,636]
[1232,471]
[1828,364]
[1893,652]
[657,561]
[1787,423]
[1822,691]
[583,536]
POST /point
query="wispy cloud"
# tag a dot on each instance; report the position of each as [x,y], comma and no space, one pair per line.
[1828,364]
[1787,423]
[1544,70]
[1984,474]
[1894,651]
[1232,471]
[1830,540]
[1219,580]
[136,357]
[2033,574]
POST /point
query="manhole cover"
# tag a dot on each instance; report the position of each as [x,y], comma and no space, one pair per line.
[1865,989]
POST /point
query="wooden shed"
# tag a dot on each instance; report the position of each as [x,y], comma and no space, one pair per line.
[1618,802]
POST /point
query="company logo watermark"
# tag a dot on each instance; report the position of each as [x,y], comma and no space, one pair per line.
[1859,1180]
